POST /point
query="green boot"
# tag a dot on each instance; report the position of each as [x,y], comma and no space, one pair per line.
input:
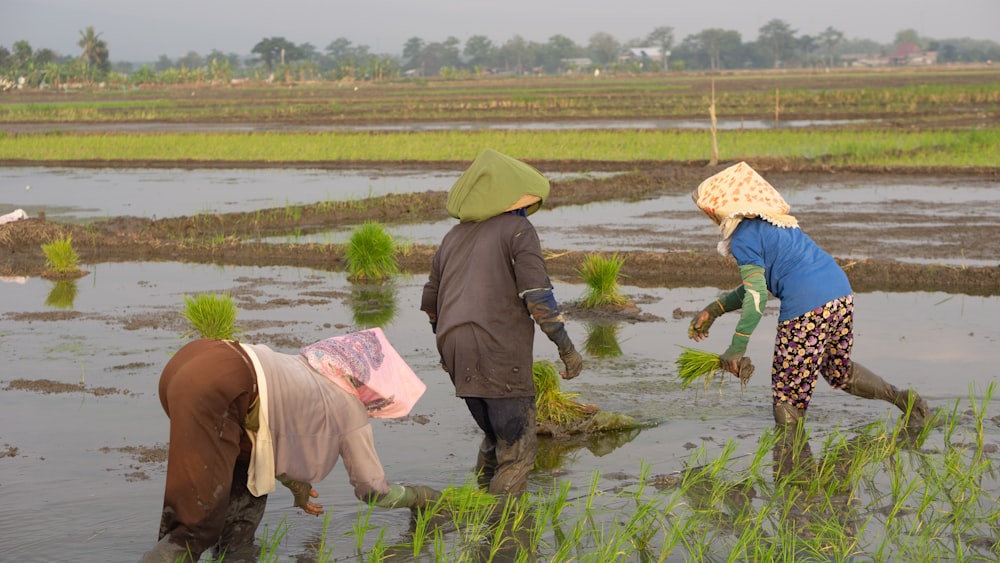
[865,384]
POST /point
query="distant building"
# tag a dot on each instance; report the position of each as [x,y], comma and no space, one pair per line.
[908,54]
[572,65]
[640,53]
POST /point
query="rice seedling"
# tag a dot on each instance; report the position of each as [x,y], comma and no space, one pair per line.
[211,315]
[553,404]
[61,259]
[844,147]
[694,365]
[466,499]
[601,275]
[370,253]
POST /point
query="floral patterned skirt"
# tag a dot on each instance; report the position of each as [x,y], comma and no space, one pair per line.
[816,343]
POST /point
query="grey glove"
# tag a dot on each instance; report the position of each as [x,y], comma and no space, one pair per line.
[422,496]
[300,491]
[573,362]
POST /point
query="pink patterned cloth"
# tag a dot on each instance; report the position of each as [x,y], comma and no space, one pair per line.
[366,365]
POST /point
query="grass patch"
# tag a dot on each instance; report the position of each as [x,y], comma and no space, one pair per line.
[863,146]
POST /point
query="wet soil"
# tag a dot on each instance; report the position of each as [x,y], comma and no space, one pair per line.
[233,238]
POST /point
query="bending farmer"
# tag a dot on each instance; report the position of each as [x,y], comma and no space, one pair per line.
[815,321]
[242,416]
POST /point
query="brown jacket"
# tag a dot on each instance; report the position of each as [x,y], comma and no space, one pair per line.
[484,332]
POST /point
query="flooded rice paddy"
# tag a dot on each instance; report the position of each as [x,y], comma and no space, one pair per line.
[81,428]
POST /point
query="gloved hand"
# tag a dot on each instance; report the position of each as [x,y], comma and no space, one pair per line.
[302,492]
[573,362]
[413,497]
[698,329]
[422,496]
[730,360]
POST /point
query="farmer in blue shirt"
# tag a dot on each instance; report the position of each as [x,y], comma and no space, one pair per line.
[815,322]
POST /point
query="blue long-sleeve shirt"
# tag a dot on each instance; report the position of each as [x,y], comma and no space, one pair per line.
[798,272]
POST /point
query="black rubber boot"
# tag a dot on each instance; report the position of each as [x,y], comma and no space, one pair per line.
[865,384]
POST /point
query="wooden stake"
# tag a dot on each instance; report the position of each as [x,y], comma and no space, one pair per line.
[715,141]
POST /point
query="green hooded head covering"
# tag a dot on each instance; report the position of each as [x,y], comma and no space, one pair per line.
[493,184]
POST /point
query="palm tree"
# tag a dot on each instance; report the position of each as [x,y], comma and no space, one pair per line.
[95,50]
[830,38]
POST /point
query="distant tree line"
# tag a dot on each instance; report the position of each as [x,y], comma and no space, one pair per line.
[278,59]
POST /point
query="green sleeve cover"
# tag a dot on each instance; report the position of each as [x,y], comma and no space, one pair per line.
[732,300]
[754,300]
[397,497]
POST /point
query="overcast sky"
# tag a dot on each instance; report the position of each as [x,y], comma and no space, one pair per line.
[140,30]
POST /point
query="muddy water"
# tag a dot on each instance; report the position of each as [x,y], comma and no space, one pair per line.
[76,487]
[75,477]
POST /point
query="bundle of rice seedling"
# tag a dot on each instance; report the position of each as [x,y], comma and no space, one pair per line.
[552,404]
[694,364]
[211,315]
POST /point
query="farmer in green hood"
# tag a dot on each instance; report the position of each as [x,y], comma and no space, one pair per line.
[488,287]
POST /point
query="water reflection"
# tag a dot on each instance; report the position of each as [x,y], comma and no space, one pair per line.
[62,295]
[373,304]
[554,453]
[602,340]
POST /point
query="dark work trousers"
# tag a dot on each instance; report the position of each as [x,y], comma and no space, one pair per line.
[206,389]
[507,453]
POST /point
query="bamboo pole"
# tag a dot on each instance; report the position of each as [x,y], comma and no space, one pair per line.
[715,141]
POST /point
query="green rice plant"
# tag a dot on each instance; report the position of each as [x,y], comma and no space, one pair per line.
[270,541]
[694,365]
[467,498]
[61,260]
[211,315]
[551,403]
[601,276]
[370,252]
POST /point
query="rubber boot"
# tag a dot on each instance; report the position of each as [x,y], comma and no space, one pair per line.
[865,384]
[786,415]
[514,463]
[243,516]
[791,448]
[486,462]
[167,552]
